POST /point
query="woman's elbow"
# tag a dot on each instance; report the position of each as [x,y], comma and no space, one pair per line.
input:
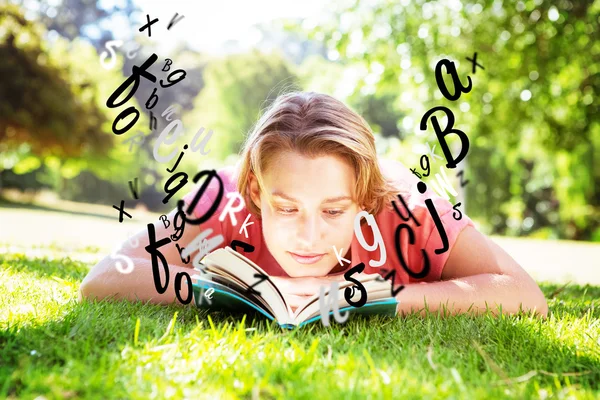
[539,302]
[542,307]
[539,307]
[523,295]
[535,301]
[527,306]
[87,289]
[94,285]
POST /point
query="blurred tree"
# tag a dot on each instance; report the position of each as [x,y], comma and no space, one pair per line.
[379,111]
[53,109]
[181,96]
[44,105]
[74,19]
[294,47]
[70,29]
[238,88]
[532,116]
[327,80]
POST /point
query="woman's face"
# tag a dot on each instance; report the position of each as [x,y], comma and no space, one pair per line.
[311,209]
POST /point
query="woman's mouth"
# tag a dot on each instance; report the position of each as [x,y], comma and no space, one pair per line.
[307,258]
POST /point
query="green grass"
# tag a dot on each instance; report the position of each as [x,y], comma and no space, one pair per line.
[55,347]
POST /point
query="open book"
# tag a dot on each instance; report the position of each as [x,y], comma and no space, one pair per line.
[240,285]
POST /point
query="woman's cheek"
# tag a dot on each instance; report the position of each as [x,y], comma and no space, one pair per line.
[282,229]
[346,229]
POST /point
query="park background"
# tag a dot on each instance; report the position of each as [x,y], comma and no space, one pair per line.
[531,117]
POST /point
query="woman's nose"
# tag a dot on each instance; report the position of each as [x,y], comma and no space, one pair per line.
[309,231]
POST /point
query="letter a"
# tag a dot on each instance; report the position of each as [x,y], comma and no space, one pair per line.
[451,69]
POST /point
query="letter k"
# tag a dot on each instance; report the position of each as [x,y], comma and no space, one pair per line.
[431,152]
[339,256]
[244,225]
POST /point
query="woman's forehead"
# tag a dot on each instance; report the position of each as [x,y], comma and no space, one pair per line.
[295,176]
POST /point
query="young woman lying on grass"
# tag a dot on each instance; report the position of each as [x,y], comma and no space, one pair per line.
[307,169]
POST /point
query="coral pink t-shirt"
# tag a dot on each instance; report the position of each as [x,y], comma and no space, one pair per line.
[426,235]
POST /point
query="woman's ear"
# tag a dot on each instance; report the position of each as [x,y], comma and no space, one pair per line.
[254,189]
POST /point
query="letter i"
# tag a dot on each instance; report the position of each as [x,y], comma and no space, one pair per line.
[422,187]
[178,159]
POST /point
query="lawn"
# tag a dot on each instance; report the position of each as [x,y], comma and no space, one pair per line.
[52,346]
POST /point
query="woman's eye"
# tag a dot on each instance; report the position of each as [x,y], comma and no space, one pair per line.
[290,211]
[286,211]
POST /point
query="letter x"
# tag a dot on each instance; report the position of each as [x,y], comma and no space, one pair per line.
[148,25]
[121,211]
[474,62]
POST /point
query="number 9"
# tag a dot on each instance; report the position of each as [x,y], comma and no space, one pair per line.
[378,243]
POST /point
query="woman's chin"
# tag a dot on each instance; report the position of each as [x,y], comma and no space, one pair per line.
[306,271]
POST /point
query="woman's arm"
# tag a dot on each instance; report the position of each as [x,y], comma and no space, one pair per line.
[477,272]
[105,281]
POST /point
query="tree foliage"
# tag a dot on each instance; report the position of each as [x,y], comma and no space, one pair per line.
[74,19]
[52,111]
[532,116]
[51,108]
[238,88]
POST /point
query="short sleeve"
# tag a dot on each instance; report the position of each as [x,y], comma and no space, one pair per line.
[422,228]
[207,200]
[454,220]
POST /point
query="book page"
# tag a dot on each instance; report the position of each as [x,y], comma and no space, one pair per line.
[243,269]
[376,290]
[365,280]
[221,276]
[313,309]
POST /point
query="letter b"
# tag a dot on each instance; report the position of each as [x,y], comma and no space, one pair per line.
[164,220]
[441,135]
[168,63]
[152,100]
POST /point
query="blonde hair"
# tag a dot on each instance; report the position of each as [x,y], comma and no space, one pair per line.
[314,124]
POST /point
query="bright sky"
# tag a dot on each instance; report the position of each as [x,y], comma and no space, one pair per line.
[207,24]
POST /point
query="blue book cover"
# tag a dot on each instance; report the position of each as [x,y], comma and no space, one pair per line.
[224,298]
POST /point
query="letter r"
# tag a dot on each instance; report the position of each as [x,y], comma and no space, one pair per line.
[230,209]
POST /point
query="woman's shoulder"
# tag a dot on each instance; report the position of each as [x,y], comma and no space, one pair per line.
[396,171]
[227,178]
[217,183]
[402,180]
[228,175]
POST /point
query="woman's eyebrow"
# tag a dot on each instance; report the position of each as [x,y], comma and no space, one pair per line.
[336,199]
[328,200]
